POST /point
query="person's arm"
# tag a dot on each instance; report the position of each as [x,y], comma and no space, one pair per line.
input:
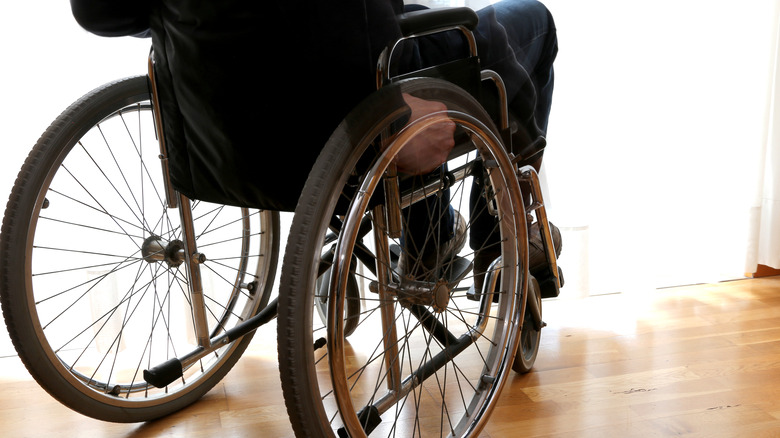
[113,18]
[428,150]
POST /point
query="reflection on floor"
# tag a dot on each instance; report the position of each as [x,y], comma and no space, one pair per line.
[691,361]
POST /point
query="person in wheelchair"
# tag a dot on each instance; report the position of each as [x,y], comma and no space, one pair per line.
[238,80]
[116,311]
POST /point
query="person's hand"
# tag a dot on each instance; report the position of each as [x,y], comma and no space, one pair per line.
[429,149]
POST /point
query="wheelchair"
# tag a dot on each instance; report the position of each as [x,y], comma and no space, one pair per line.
[127,301]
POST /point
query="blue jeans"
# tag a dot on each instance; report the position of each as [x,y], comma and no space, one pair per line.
[517,39]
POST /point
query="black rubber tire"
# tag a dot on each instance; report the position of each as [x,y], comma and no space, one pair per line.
[530,336]
[304,378]
[352,318]
[20,250]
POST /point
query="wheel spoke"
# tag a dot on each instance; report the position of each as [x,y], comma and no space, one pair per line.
[428,353]
[91,296]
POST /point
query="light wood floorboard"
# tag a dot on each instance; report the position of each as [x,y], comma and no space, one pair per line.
[699,361]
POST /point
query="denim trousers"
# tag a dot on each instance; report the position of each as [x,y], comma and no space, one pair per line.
[517,39]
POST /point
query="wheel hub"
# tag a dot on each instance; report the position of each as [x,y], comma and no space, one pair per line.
[156,249]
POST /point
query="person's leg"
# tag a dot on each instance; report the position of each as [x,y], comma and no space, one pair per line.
[430,223]
[517,39]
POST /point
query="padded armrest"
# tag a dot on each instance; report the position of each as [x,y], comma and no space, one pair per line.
[417,22]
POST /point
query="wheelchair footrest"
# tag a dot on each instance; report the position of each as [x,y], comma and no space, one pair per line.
[547,284]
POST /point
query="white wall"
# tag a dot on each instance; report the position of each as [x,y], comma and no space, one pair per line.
[48,62]
[658,121]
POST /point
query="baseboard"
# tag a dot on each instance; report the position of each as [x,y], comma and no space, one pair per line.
[764,271]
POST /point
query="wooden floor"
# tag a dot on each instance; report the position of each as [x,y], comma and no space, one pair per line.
[700,361]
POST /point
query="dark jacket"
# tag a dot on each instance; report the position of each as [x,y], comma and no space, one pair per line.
[251,91]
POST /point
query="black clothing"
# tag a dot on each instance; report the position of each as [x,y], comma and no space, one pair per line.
[250,91]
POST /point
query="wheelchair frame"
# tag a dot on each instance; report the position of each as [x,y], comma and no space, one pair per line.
[387,218]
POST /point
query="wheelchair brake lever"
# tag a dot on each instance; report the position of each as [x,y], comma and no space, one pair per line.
[535,147]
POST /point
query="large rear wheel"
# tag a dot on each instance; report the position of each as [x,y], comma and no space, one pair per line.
[424,359]
[93,287]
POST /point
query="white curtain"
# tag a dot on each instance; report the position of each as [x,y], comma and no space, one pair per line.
[765,221]
[658,141]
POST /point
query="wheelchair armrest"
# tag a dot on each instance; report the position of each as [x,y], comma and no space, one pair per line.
[428,20]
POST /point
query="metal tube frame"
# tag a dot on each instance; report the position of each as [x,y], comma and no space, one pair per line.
[398,389]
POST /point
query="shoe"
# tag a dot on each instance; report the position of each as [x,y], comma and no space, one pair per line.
[537,260]
[427,266]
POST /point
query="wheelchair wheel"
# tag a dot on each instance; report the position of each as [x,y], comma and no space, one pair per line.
[530,336]
[352,316]
[424,360]
[87,305]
